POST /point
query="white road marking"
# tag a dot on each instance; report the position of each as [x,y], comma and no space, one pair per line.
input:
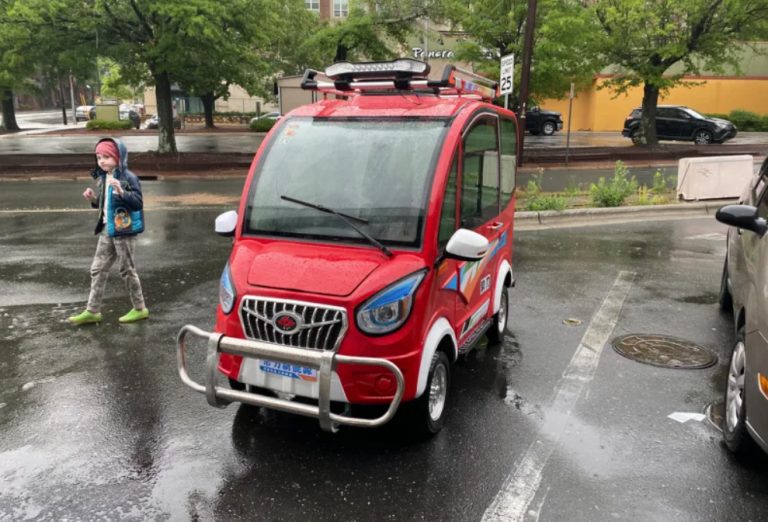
[521,485]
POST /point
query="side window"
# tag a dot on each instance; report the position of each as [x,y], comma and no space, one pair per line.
[762,207]
[664,113]
[508,160]
[448,213]
[480,174]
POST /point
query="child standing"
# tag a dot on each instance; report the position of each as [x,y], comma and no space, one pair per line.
[121,218]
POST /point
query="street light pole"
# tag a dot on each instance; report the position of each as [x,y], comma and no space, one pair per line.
[530,24]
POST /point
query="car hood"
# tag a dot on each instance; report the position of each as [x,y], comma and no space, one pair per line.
[721,121]
[320,269]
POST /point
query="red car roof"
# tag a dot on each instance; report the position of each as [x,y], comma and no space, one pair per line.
[387,105]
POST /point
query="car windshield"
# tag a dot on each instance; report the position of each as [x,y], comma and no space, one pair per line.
[378,170]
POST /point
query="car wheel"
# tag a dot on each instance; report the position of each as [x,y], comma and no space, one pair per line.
[635,136]
[499,326]
[725,299]
[548,129]
[702,137]
[429,410]
[735,434]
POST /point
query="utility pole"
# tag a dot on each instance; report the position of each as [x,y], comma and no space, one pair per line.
[530,24]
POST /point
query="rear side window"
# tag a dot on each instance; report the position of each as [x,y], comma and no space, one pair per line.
[508,159]
[480,173]
[637,113]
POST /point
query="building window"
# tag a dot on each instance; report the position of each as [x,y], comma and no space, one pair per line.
[340,8]
[312,5]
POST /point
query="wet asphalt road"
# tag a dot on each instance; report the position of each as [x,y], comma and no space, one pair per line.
[96,425]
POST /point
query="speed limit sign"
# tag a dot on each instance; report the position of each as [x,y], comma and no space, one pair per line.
[507,74]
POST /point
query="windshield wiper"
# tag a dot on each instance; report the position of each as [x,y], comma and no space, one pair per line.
[347,219]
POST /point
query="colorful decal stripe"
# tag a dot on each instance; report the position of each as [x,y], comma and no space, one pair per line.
[470,273]
[475,318]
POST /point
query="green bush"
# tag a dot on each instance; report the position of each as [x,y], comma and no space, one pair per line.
[109,125]
[613,193]
[745,120]
[262,125]
[536,201]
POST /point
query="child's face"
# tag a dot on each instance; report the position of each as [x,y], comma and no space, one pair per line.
[106,163]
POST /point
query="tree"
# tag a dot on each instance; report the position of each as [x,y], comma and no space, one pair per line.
[249,38]
[565,44]
[33,45]
[167,41]
[646,39]
[373,29]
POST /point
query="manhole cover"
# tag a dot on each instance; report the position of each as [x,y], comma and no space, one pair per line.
[664,350]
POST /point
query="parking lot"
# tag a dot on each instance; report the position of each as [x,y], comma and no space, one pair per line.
[553,424]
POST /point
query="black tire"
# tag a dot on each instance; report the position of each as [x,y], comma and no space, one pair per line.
[548,128]
[498,328]
[735,434]
[724,298]
[635,136]
[702,137]
[429,411]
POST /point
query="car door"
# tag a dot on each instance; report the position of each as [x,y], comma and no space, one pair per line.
[479,208]
[663,130]
[678,124]
[756,328]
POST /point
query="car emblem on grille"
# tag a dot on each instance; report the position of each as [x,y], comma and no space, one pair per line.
[286,323]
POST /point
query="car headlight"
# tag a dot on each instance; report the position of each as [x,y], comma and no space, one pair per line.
[227,293]
[721,125]
[386,311]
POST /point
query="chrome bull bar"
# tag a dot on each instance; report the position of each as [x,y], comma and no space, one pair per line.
[323,361]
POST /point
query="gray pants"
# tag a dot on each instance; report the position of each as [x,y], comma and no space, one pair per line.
[109,250]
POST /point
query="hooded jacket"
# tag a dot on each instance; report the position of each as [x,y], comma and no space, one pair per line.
[131,198]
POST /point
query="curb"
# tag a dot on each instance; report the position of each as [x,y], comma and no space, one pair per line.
[580,216]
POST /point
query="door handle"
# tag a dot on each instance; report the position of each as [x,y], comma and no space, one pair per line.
[495,225]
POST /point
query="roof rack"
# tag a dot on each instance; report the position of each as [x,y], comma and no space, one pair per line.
[404,74]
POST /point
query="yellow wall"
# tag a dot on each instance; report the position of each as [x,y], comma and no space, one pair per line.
[598,110]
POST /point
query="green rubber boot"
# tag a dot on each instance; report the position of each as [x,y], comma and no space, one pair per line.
[134,315]
[84,317]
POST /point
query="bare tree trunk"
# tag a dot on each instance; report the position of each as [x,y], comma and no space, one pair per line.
[166,136]
[9,112]
[648,121]
[208,100]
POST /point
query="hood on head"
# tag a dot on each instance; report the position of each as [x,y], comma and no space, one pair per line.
[123,164]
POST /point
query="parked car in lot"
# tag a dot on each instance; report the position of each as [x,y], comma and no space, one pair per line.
[539,121]
[744,292]
[154,122]
[85,112]
[675,122]
[372,247]
[267,116]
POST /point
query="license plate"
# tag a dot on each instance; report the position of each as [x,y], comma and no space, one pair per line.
[289,370]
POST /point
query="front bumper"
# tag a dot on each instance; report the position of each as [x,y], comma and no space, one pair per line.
[324,361]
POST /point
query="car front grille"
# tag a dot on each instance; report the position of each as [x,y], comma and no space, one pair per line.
[293,323]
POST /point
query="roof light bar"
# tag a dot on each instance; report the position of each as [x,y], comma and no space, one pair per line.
[400,74]
[404,67]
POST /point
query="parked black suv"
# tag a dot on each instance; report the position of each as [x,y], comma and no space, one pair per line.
[675,122]
[539,121]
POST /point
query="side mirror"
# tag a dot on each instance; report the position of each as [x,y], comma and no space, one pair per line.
[467,245]
[226,224]
[742,216]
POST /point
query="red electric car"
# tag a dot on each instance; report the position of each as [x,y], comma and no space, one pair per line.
[372,247]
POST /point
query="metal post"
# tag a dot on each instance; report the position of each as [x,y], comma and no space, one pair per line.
[530,24]
[72,95]
[568,132]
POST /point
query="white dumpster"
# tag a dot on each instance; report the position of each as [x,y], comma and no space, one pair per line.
[713,177]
